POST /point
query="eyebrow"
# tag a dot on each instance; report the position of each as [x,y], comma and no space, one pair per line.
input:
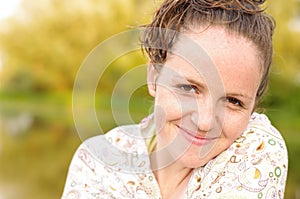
[192,81]
[239,95]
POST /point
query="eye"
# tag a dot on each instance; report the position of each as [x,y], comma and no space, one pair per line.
[234,101]
[189,88]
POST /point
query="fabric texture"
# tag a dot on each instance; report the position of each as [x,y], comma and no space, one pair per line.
[116,165]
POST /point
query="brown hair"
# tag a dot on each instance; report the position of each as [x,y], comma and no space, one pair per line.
[244,17]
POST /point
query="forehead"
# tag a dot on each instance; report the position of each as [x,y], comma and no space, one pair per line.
[217,41]
[235,58]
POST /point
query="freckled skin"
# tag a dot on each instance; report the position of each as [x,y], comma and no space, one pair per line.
[185,111]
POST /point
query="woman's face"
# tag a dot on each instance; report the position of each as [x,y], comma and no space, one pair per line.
[193,123]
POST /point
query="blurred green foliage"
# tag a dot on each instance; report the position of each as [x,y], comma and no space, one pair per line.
[41,51]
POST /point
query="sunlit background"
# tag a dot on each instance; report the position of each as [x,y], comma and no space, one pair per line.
[42,45]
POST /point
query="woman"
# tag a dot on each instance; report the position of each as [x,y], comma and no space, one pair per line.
[209,66]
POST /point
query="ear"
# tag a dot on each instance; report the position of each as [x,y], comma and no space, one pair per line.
[152,75]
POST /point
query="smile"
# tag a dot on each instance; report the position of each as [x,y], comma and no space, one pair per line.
[195,138]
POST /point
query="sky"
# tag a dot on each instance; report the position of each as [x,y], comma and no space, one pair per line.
[8,8]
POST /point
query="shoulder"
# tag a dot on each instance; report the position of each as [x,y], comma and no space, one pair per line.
[114,147]
[260,143]
[261,138]
[99,161]
[255,165]
[263,158]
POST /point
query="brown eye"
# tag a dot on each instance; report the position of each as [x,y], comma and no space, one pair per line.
[234,101]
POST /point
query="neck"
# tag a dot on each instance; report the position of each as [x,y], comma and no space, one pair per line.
[173,178]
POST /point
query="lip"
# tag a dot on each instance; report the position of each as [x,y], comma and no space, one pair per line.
[195,138]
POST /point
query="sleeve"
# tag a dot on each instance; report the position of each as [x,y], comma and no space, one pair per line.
[262,171]
[77,176]
[254,166]
[98,167]
[83,181]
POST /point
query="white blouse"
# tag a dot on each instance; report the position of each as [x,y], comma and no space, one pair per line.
[116,165]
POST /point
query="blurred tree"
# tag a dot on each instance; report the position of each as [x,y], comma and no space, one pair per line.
[284,92]
[286,38]
[44,45]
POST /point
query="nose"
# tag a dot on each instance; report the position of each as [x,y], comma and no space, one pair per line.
[203,115]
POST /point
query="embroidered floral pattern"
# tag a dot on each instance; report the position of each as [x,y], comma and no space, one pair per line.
[254,166]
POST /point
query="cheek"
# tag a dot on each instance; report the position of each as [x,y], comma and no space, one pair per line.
[167,105]
[234,125]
